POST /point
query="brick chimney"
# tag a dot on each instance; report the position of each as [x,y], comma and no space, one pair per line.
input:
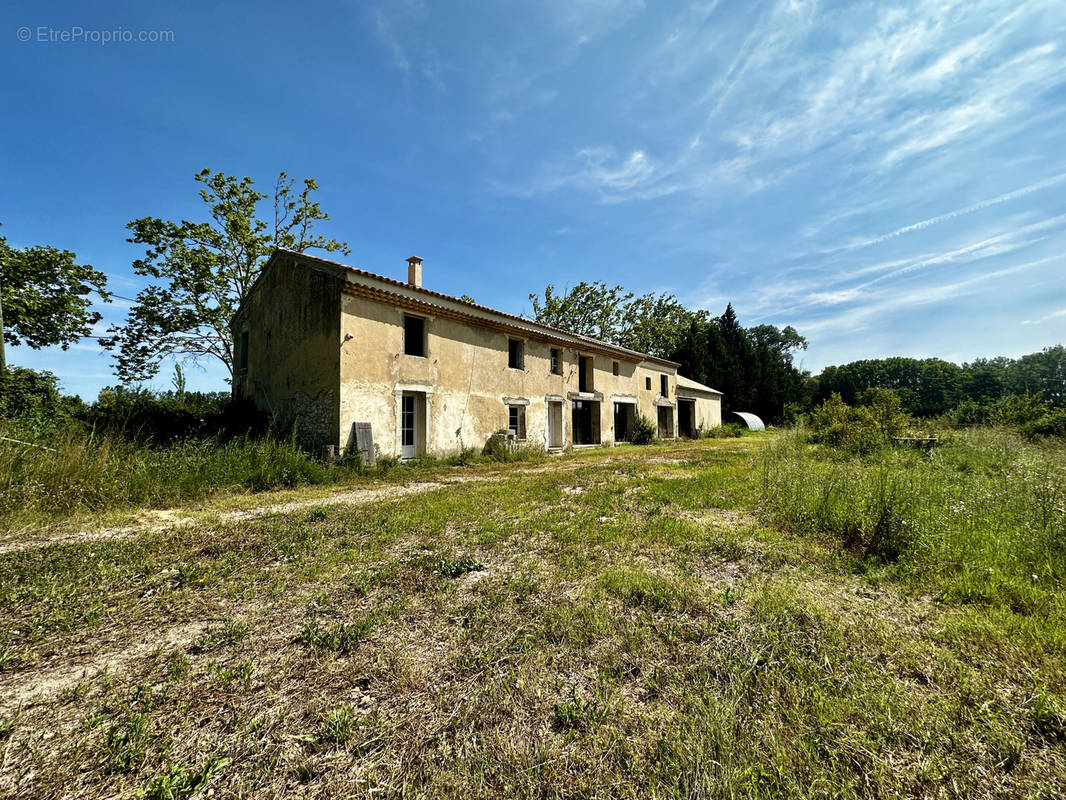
[414,272]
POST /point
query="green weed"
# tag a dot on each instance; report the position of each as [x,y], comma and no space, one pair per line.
[457,567]
[181,783]
[344,636]
[127,744]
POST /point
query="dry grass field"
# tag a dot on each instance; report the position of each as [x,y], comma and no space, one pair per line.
[725,618]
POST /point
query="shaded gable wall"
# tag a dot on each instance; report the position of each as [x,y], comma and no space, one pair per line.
[292,319]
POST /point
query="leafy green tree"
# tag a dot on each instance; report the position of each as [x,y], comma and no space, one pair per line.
[650,323]
[655,324]
[44,297]
[984,378]
[1043,372]
[783,340]
[588,309]
[732,367]
[933,387]
[752,367]
[204,270]
[852,428]
[24,392]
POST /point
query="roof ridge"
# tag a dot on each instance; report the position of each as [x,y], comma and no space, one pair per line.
[478,306]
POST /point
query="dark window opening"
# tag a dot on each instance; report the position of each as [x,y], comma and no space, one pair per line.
[516,354]
[614,367]
[516,421]
[647,383]
[584,373]
[556,367]
[242,352]
[664,386]
[414,335]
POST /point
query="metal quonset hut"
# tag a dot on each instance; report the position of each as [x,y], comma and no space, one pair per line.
[752,421]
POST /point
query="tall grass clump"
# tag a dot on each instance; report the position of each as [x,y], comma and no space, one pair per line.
[981,517]
[504,448]
[72,471]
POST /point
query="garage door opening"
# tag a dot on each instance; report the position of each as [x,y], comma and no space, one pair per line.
[586,422]
[686,418]
[624,420]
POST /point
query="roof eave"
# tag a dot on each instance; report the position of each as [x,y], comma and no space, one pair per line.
[547,329]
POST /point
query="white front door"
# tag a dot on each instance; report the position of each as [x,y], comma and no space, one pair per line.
[555,424]
[412,424]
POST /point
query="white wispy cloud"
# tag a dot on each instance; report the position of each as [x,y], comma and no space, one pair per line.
[401,21]
[877,307]
[585,20]
[853,286]
[918,79]
[950,215]
[383,27]
[1040,320]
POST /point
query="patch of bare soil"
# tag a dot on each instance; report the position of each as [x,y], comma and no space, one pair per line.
[722,518]
[45,681]
[175,518]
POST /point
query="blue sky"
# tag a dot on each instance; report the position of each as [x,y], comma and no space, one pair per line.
[889,178]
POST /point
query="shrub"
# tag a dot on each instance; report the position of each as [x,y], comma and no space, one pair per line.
[164,417]
[794,414]
[887,409]
[727,430]
[837,424]
[34,398]
[1018,410]
[643,430]
[498,446]
[969,413]
[1052,423]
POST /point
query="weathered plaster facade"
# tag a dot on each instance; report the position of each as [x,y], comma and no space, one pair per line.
[705,404]
[286,353]
[346,361]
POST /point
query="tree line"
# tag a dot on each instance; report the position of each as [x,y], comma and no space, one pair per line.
[931,387]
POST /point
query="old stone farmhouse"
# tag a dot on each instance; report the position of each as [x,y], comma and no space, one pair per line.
[326,346]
